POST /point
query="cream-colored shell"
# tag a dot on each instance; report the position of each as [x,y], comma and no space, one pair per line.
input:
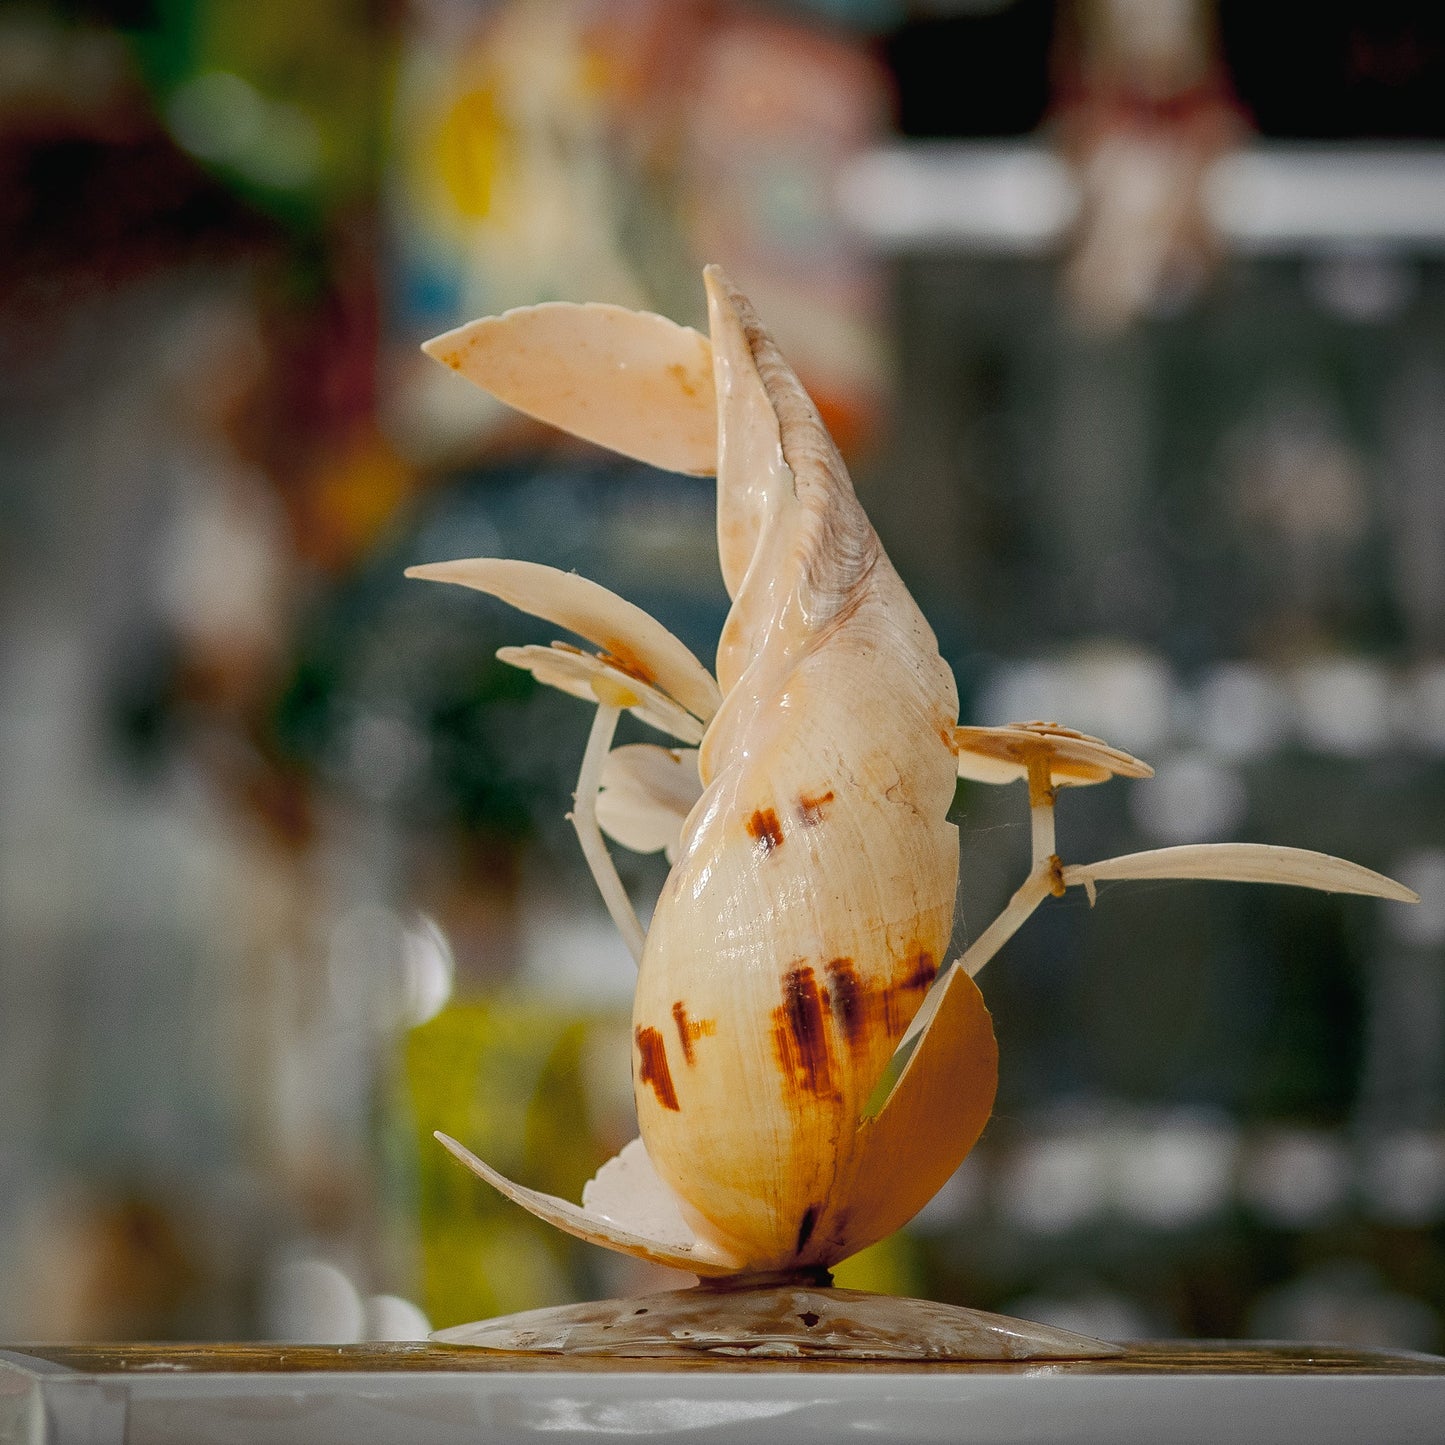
[812,900]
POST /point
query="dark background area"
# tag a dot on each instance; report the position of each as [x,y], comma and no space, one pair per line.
[285,881]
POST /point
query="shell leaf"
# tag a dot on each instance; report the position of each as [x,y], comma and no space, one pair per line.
[1245,863]
[640,645]
[631,381]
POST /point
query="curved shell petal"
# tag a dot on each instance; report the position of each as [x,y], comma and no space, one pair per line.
[631,381]
[647,793]
[629,1235]
[813,894]
[1245,863]
[1002,754]
[579,673]
[931,1119]
[638,644]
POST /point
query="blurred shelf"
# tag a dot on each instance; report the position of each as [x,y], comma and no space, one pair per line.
[1021,198]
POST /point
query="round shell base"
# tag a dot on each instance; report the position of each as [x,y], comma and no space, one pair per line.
[798,1319]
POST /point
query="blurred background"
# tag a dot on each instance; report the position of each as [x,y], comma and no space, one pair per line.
[1130,317]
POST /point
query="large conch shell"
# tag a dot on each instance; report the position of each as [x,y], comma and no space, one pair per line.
[807,912]
[812,900]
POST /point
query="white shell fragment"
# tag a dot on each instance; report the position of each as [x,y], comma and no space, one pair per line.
[636,383]
[754,479]
[647,793]
[627,1191]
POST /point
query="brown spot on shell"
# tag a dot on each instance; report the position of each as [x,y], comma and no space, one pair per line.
[811,807]
[850,1001]
[863,1012]
[765,830]
[690,1030]
[1057,886]
[921,969]
[800,1035]
[652,1068]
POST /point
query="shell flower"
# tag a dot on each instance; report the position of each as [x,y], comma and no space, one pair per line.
[808,910]
[1018,750]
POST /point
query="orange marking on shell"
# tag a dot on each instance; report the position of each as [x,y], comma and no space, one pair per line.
[690,1030]
[811,807]
[851,1002]
[625,660]
[862,1012]
[765,830]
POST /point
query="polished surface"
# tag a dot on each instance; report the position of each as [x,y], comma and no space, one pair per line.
[434,1395]
[1187,1357]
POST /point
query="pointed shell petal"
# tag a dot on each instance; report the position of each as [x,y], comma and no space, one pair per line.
[579,673]
[631,381]
[647,793]
[693,1254]
[1245,863]
[931,1119]
[640,645]
[753,479]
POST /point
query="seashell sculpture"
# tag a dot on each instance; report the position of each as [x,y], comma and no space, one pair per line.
[797,951]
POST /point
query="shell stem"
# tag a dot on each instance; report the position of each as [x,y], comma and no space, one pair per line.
[1031,892]
[584,819]
[1041,824]
[1041,807]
